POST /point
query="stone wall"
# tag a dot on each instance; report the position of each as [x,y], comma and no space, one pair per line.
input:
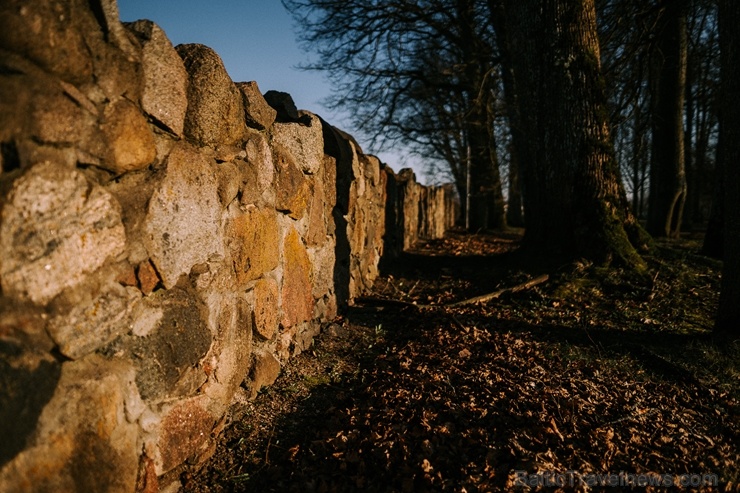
[415,211]
[168,239]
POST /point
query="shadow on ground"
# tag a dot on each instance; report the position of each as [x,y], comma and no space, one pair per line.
[591,373]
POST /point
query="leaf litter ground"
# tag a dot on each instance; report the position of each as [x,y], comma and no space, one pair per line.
[596,372]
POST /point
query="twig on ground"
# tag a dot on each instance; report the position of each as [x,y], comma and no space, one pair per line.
[652,286]
[641,413]
[412,288]
[458,323]
[486,297]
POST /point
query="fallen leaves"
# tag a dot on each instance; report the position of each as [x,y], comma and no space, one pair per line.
[459,399]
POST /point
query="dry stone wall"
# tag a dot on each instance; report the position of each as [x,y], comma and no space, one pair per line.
[168,239]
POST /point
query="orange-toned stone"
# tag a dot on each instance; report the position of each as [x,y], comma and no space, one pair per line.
[292,192]
[184,430]
[265,371]
[126,276]
[266,299]
[317,229]
[131,141]
[254,241]
[296,297]
[147,481]
[148,277]
[300,201]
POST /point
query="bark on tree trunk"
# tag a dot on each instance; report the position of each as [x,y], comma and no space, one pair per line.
[574,201]
[728,315]
[499,204]
[668,172]
[487,204]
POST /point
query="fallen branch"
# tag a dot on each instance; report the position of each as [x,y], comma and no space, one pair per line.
[515,289]
[373,300]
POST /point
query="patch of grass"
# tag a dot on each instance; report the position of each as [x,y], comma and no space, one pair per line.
[718,367]
[316,380]
[240,478]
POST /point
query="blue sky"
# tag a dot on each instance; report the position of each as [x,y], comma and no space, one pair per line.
[256,40]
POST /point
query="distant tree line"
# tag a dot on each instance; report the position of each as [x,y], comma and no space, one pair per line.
[597,112]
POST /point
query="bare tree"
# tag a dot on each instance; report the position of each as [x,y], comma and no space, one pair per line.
[700,123]
[639,60]
[574,201]
[625,33]
[518,150]
[422,73]
[668,76]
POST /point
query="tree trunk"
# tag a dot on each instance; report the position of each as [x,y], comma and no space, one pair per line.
[728,315]
[704,121]
[498,210]
[487,204]
[461,193]
[518,149]
[668,173]
[487,201]
[574,201]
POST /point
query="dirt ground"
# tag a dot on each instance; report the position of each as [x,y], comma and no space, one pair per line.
[562,386]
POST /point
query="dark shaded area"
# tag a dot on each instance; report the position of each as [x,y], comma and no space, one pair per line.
[9,155]
[461,264]
[393,236]
[97,9]
[27,384]
[714,240]
[95,464]
[287,112]
[336,145]
[409,428]
[728,313]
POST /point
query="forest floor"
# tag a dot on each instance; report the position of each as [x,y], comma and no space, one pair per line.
[592,373]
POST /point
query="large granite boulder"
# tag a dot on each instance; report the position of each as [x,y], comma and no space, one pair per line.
[130,141]
[215,109]
[183,221]
[258,113]
[56,228]
[164,96]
